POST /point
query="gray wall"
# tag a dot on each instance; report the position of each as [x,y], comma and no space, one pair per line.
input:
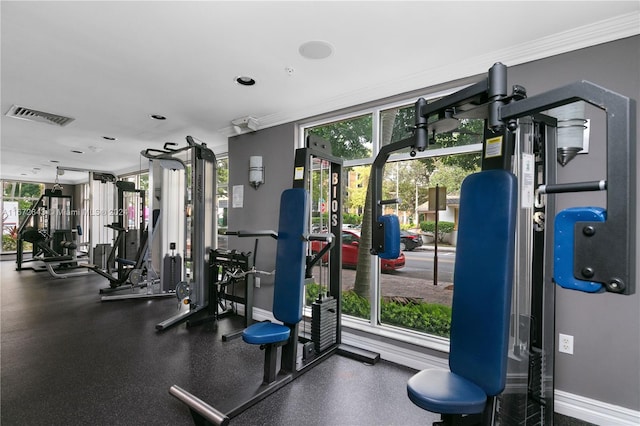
[606,361]
[261,207]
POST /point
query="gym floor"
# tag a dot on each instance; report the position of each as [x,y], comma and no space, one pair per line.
[69,359]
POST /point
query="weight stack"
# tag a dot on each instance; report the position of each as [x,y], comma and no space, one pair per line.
[324,319]
[171,272]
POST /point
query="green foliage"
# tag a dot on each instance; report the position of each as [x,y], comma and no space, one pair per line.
[222,171]
[22,189]
[351,219]
[451,177]
[443,228]
[311,291]
[350,139]
[430,318]
[347,218]
[320,218]
[354,305]
[9,243]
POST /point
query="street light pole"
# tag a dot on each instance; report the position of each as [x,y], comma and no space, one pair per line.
[435,240]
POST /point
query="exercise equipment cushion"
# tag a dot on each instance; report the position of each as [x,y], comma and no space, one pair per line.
[564,241]
[391,236]
[291,256]
[441,391]
[480,311]
[265,333]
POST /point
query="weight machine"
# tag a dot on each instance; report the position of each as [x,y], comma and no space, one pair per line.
[586,248]
[47,227]
[183,185]
[231,281]
[131,249]
[283,343]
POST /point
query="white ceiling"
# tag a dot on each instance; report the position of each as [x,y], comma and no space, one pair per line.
[110,65]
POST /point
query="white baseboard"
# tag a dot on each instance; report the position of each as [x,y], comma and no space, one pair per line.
[387,351]
[594,411]
[567,404]
[394,353]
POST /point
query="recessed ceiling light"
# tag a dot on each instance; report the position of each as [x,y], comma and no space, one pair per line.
[75,151]
[245,81]
[316,49]
[158,117]
[109,138]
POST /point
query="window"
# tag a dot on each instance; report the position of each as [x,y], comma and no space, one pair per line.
[222,176]
[350,139]
[418,296]
[410,294]
[17,199]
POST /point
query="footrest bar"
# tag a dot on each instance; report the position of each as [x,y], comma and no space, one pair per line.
[200,407]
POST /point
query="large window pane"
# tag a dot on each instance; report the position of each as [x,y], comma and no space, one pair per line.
[418,295]
[415,290]
[350,139]
[397,124]
[356,273]
[17,199]
[222,188]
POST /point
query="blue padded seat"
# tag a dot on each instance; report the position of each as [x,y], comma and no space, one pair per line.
[441,391]
[481,306]
[264,333]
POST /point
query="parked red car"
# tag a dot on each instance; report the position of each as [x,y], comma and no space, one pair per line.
[350,244]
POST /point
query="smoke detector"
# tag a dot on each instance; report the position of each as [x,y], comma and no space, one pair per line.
[245,123]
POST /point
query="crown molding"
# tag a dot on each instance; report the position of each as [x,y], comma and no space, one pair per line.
[604,31]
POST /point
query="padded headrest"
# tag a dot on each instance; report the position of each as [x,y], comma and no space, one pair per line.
[391,236]
[563,246]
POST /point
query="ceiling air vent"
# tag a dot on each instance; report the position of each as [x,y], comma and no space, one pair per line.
[33,115]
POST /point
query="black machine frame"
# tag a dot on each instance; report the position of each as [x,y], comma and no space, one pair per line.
[609,251]
[228,268]
[292,365]
[608,259]
[59,245]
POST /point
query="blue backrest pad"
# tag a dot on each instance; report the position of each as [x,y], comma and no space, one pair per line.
[563,246]
[483,279]
[288,292]
[391,236]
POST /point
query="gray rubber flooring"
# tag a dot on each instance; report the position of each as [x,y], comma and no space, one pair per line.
[69,359]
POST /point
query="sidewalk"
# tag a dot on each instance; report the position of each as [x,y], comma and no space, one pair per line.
[431,247]
[397,286]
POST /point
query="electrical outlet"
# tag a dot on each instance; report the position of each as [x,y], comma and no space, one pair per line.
[565,343]
[257,281]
